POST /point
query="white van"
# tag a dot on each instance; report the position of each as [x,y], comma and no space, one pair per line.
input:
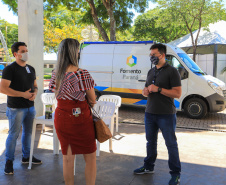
[121,68]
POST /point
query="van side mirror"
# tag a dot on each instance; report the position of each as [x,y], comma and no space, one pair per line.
[183,72]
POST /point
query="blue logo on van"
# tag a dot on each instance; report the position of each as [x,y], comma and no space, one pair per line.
[134,61]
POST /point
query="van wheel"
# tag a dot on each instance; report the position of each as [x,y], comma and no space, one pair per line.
[195,108]
[97,95]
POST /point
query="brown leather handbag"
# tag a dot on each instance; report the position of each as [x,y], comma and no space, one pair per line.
[102,131]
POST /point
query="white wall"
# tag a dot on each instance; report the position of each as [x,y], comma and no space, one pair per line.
[221,64]
[205,62]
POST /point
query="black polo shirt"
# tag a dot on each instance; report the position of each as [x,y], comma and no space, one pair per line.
[22,79]
[166,77]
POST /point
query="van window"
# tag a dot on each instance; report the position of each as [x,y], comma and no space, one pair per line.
[172,60]
[191,64]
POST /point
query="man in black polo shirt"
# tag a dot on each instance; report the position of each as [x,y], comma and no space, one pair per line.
[163,84]
[19,84]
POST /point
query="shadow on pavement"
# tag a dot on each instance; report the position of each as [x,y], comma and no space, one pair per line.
[202,155]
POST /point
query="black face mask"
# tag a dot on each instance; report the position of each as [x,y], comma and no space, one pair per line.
[154,60]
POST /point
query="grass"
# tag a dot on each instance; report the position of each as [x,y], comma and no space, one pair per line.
[47,73]
[47,76]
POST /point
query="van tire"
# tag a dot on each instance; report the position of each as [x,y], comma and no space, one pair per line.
[195,108]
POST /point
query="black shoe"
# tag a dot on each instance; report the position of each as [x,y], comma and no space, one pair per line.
[142,170]
[9,167]
[34,160]
[175,180]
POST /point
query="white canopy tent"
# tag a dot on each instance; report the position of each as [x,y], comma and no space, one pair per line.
[214,34]
[211,40]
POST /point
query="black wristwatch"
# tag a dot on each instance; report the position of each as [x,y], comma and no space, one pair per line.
[159,89]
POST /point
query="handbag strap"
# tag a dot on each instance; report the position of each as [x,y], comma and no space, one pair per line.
[94,111]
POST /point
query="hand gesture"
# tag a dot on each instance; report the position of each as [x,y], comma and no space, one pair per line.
[27,94]
[32,98]
[145,92]
[152,88]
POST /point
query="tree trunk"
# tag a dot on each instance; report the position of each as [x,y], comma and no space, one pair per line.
[195,43]
[194,53]
[109,4]
[96,21]
[197,36]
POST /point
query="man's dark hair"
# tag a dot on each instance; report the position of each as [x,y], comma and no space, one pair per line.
[16,45]
[161,48]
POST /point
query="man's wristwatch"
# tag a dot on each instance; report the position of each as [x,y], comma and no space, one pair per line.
[159,89]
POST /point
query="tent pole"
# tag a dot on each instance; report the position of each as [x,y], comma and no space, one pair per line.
[215,60]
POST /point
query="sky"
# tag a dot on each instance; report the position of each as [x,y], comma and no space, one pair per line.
[7,15]
[11,18]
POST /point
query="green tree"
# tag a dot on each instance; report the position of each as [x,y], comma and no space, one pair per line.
[194,14]
[58,25]
[126,35]
[156,25]
[61,16]
[106,15]
[10,32]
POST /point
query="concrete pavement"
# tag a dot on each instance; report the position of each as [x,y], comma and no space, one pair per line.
[211,122]
[202,154]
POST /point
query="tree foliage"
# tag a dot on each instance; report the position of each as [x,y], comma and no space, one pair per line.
[10,32]
[58,25]
[106,15]
[156,25]
[193,14]
[12,5]
[126,35]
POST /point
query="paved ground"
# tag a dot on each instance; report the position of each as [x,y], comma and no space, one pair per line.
[135,115]
[212,121]
[202,153]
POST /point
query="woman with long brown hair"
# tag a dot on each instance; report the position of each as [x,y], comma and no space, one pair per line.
[73,119]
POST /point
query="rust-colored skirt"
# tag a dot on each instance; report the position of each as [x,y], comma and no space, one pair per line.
[78,132]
